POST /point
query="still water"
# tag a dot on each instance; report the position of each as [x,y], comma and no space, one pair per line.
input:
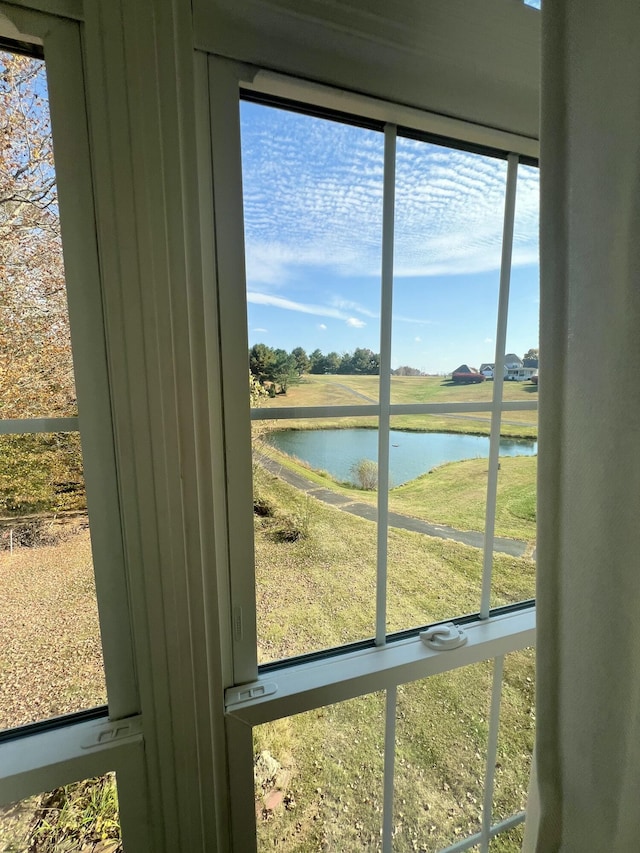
[410,454]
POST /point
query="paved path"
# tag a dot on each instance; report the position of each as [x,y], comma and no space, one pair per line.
[513,547]
[356,393]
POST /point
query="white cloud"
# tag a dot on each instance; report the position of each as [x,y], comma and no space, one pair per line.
[313,197]
[322,326]
[355,323]
[488,341]
[260,330]
[418,339]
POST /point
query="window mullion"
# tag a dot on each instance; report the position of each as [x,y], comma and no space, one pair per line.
[21,426]
[241,785]
[492,749]
[389,768]
[293,412]
[386,301]
[501,337]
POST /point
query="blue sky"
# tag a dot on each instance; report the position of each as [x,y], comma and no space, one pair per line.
[313,220]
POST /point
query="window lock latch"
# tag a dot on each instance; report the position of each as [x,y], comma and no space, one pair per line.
[444,637]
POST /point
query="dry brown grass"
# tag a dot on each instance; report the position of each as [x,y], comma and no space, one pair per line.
[50,653]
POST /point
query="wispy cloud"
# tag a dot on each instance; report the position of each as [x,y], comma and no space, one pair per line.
[420,321]
[349,305]
[291,305]
[275,301]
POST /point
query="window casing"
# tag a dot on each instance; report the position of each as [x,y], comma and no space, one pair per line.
[46,761]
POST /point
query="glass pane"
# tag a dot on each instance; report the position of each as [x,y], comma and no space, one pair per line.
[50,650]
[82,816]
[409,389]
[449,222]
[318,778]
[514,575]
[441,743]
[516,735]
[521,360]
[313,219]
[36,371]
[509,841]
[516,500]
[315,534]
[436,523]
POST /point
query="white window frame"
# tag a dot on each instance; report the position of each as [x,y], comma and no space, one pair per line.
[50,753]
[254,698]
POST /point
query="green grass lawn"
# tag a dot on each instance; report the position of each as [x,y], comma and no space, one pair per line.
[308,555]
[455,494]
[363,390]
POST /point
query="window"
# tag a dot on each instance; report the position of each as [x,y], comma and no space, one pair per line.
[366,226]
[61,662]
[128,171]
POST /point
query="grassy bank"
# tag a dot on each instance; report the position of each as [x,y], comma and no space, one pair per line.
[453,494]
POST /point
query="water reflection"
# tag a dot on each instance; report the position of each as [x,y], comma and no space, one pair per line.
[411,453]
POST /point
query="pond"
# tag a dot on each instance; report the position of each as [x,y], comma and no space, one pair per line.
[410,454]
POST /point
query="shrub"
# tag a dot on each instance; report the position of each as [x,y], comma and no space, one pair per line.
[29,533]
[263,508]
[364,473]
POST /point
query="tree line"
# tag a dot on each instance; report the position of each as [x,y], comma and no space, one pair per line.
[40,472]
[277,369]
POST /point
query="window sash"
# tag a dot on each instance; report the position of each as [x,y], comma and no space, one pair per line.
[55,752]
[84,297]
[226,81]
[306,686]
[297,686]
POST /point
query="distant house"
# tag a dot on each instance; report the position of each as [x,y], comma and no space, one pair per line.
[515,368]
[465,374]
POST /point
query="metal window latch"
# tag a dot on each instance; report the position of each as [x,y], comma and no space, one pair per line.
[115,731]
[443,637]
[236,695]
